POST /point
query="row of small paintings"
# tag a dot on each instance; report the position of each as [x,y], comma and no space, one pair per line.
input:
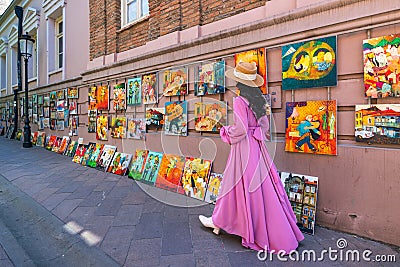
[184,175]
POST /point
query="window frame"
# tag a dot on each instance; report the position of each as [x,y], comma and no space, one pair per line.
[124,12]
[57,36]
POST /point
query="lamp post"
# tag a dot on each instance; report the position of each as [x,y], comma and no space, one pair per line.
[26,45]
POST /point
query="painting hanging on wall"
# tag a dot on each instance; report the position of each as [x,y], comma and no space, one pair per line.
[73,107]
[170,172]
[149,88]
[101,127]
[73,125]
[155,118]
[46,101]
[210,79]
[53,96]
[214,185]
[138,163]
[136,128]
[60,95]
[302,193]
[134,91]
[309,64]
[311,127]
[378,123]
[176,118]
[40,100]
[195,177]
[119,93]
[257,56]
[382,66]
[72,93]
[92,117]
[92,95]
[210,116]
[175,81]
[118,127]
[151,167]
[103,97]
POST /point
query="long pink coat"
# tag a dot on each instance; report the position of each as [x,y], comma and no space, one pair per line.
[252,202]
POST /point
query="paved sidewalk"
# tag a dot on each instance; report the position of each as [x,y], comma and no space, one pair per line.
[122,218]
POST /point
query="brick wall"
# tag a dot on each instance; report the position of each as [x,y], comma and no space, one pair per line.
[166,16]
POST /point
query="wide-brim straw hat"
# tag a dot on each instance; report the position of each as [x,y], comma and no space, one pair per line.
[245,73]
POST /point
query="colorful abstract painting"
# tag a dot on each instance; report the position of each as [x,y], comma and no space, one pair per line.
[73,107]
[92,117]
[95,155]
[378,123]
[73,125]
[170,172]
[89,150]
[79,153]
[57,144]
[382,66]
[51,141]
[149,89]
[175,82]
[102,127]
[302,193]
[211,79]
[195,177]
[214,185]
[64,144]
[257,56]
[120,163]
[311,127]
[150,171]
[134,91]
[138,163]
[92,95]
[210,116]
[105,157]
[118,127]
[309,64]
[103,97]
[119,93]
[70,152]
[176,118]
[155,118]
[72,93]
[136,128]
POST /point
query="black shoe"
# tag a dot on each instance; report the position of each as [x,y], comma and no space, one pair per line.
[298,148]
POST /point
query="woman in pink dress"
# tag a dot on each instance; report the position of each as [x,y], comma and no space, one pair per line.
[252,202]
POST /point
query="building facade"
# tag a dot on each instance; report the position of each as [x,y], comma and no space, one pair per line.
[124,39]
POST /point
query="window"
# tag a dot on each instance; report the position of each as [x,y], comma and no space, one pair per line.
[133,10]
[59,43]
[32,63]
[3,71]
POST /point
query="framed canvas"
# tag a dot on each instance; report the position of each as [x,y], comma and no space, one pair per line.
[210,79]
[175,81]
[214,185]
[64,144]
[92,96]
[119,92]
[41,139]
[57,144]
[311,127]
[382,66]
[377,123]
[71,149]
[210,116]
[72,93]
[136,128]
[88,153]
[102,127]
[95,155]
[46,101]
[118,127]
[73,125]
[149,89]
[46,122]
[195,177]
[134,91]
[34,136]
[60,125]
[302,193]
[309,64]
[257,56]
[103,97]
[40,100]
[176,118]
[138,163]
[92,117]
[51,141]
[73,107]
[105,157]
[170,172]
[155,118]
[53,96]
[79,153]
[151,167]
[60,95]
[120,163]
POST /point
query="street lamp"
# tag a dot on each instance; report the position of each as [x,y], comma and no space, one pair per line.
[26,45]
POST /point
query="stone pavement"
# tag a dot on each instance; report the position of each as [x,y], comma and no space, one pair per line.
[138,225]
